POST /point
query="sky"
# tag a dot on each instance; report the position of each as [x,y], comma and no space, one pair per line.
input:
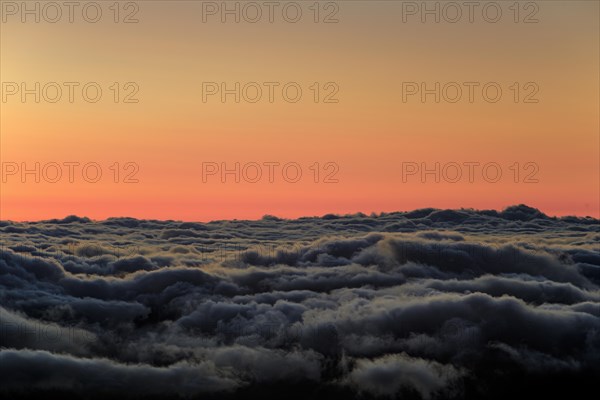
[362,135]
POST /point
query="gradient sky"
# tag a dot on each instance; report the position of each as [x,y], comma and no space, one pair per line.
[369,133]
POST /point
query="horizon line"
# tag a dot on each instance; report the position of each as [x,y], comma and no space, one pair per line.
[76,218]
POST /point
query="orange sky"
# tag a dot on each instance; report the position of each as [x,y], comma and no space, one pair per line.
[367,135]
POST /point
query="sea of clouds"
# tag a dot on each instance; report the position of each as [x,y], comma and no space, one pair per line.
[423,304]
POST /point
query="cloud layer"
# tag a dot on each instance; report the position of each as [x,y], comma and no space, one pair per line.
[425,304]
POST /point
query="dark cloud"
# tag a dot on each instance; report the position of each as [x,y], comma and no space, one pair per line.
[422,304]
[389,374]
